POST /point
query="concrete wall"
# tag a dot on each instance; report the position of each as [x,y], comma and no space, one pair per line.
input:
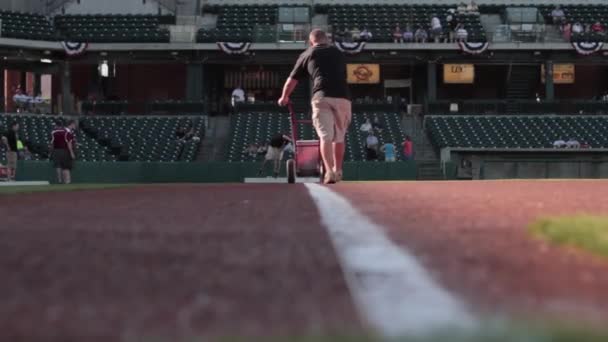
[113,7]
[544,169]
[37,6]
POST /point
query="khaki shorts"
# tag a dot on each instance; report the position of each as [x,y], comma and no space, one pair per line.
[274,153]
[11,160]
[331,117]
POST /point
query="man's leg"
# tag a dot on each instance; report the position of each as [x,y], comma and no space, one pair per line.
[324,122]
[342,111]
[327,153]
[59,175]
[67,177]
[339,148]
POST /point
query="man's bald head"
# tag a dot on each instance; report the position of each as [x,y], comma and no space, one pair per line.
[317,36]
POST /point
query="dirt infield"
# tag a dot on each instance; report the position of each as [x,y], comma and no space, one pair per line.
[168,261]
[254,260]
[473,235]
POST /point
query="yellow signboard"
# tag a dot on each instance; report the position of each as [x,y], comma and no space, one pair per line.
[562,73]
[363,73]
[458,73]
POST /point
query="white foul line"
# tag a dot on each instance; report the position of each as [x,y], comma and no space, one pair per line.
[392,291]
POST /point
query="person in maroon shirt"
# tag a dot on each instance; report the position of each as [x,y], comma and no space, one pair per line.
[62,151]
[408,148]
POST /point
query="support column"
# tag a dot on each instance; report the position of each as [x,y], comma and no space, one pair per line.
[12,79]
[431,82]
[2,90]
[30,83]
[194,82]
[37,84]
[549,88]
[67,106]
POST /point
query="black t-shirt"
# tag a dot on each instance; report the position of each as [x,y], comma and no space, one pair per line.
[326,66]
[12,140]
[278,141]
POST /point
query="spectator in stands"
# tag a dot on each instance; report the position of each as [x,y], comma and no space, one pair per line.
[238,96]
[598,28]
[262,148]
[365,35]
[452,22]
[559,143]
[408,34]
[408,148]
[577,29]
[180,133]
[347,36]
[251,150]
[436,28]
[585,145]
[366,126]
[12,137]
[371,146]
[573,143]
[558,15]
[355,34]
[26,155]
[462,8]
[288,149]
[461,33]
[472,8]
[567,31]
[389,152]
[421,35]
[377,126]
[397,34]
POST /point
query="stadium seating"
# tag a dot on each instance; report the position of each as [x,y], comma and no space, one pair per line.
[114,138]
[144,138]
[584,14]
[241,23]
[515,131]
[102,28]
[380,19]
[26,26]
[258,128]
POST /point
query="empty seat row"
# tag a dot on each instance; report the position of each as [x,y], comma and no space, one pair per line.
[516,131]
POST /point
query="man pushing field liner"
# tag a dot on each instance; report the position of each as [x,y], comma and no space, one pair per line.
[331,107]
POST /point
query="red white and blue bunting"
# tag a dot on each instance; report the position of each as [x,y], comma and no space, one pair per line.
[234,48]
[350,48]
[74,48]
[473,48]
[587,48]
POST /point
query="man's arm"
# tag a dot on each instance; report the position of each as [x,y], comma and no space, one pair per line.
[288,88]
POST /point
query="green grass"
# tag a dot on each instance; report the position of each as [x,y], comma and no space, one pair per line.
[585,232]
[493,332]
[12,190]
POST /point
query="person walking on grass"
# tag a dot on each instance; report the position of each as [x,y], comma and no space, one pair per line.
[11,142]
[62,151]
[331,105]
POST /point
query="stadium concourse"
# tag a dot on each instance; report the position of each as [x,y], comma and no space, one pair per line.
[352,262]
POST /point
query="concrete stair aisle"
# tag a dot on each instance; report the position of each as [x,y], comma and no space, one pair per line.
[216,138]
[425,154]
[521,84]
